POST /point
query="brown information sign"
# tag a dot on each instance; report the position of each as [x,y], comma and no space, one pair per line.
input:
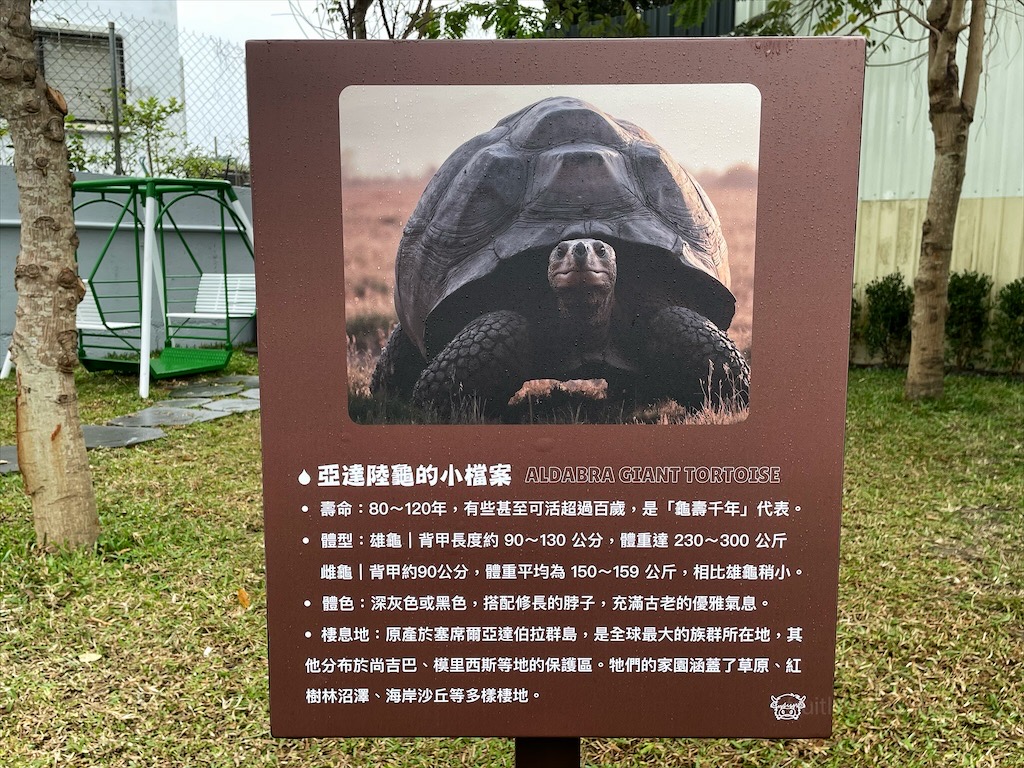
[592,485]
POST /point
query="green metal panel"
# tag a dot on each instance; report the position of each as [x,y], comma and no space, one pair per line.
[182,361]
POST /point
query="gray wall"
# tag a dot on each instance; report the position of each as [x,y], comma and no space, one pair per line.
[200,222]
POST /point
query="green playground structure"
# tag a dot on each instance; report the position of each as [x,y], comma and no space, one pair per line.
[197,301]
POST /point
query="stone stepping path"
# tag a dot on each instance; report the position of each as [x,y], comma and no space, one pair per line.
[209,389]
[190,404]
[118,437]
[163,416]
[234,405]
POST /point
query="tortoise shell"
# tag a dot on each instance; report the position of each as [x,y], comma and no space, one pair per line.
[556,170]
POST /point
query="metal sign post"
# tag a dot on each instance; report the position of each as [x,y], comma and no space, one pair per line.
[547,753]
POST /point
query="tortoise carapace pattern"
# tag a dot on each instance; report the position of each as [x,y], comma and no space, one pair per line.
[562,244]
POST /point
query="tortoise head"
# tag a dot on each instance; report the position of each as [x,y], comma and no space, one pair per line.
[585,265]
[582,274]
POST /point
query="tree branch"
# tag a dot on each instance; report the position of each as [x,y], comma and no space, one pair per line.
[946,16]
[389,31]
[923,22]
[975,55]
[414,18]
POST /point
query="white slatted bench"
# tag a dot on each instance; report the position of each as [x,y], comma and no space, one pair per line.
[88,317]
[210,297]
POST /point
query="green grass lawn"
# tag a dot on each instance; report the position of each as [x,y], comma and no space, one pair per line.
[142,655]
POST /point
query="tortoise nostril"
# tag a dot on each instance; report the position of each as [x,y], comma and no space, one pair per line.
[579,253]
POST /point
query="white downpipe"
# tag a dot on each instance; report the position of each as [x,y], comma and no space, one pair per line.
[240,212]
[146,276]
[6,370]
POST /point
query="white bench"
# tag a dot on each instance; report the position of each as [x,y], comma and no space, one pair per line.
[210,298]
[210,305]
[88,317]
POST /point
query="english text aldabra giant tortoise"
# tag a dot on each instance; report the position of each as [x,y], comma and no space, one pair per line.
[562,244]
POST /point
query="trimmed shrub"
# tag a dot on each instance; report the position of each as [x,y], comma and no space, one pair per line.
[855,312]
[1008,326]
[967,320]
[887,325]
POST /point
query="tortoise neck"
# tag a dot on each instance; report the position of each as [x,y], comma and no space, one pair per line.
[585,317]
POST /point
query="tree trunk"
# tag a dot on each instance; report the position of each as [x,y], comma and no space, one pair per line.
[950,113]
[51,451]
[359,10]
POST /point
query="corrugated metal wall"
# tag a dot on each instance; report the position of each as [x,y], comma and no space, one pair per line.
[897,154]
[989,238]
[896,158]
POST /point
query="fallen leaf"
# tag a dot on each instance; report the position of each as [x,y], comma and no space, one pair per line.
[243,598]
[89,657]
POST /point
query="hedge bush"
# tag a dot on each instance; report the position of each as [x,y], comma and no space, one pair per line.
[856,310]
[887,323]
[968,318]
[1008,326]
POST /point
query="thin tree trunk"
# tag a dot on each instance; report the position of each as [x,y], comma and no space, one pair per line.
[951,113]
[931,284]
[51,451]
[359,10]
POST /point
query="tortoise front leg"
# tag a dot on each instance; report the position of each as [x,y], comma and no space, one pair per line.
[487,361]
[687,358]
[398,367]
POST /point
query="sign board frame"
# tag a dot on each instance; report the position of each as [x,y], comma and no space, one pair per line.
[811,95]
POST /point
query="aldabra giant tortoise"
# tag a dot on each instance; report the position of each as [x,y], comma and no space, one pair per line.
[562,244]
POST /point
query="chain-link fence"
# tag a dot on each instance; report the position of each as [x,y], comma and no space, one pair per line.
[145,97]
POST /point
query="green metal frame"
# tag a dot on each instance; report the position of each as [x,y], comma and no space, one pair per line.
[120,349]
[113,348]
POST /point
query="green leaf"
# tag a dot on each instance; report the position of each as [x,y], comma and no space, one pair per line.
[690,13]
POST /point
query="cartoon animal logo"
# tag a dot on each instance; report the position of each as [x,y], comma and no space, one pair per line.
[788,706]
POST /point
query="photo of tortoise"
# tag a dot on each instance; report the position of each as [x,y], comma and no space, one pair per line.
[562,244]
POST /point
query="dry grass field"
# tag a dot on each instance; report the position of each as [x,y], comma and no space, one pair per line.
[375,211]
